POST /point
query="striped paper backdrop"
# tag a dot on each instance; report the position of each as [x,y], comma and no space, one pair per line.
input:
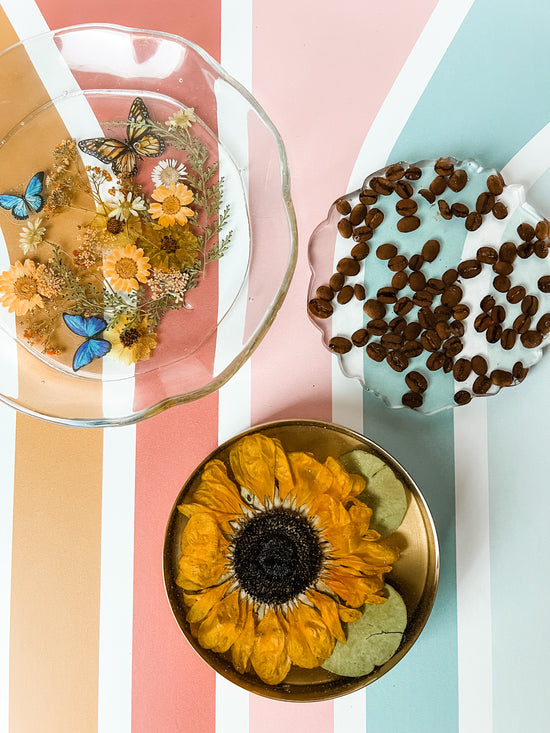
[87,640]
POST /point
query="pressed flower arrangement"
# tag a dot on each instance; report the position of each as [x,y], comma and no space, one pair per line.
[277,560]
[132,256]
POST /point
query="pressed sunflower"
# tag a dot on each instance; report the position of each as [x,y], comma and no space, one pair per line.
[170,248]
[19,288]
[171,206]
[126,267]
[276,555]
[130,342]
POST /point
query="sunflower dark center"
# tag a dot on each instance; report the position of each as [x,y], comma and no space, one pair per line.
[129,336]
[168,244]
[276,556]
[114,226]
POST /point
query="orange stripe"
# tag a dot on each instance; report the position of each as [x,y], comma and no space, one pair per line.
[57,515]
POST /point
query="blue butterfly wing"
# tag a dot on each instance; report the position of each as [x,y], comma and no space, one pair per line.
[86,327]
[34,189]
[88,351]
[15,204]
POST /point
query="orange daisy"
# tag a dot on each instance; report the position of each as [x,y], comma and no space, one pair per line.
[126,267]
[19,288]
[172,204]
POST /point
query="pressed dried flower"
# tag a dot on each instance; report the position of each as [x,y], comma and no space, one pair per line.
[126,267]
[170,248]
[126,206]
[32,235]
[182,120]
[275,555]
[172,204]
[131,342]
[172,284]
[19,288]
[167,172]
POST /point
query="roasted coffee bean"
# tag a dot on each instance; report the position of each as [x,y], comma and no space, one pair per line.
[359,291]
[507,252]
[443,330]
[526,232]
[508,339]
[360,251]
[413,173]
[397,263]
[339,345]
[522,323]
[435,361]
[462,369]
[427,194]
[435,285]
[386,251]
[442,313]
[412,330]
[416,381]
[457,328]
[362,234]
[531,339]
[495,184]
[403,306]
[387,295]
[368,197]
[488,255]
[399,280]
[423,298]
[543,324]
[348,266]
[449,276]
[458,180]
[461,311]
[438,185]
[479,364]
[444,167]
[408,224]
[498,313]
[482,384]
[519,372]
[430,340]
[525,250]
[325,292]
[452,346]
[376,352]
[412,400]
[377,327]
[403,189]
[473,221]
[416,261]
[430,250]
[541,249]
[345,295]
[417,281]
[460,210]
[374,218]
[394,172]
[345,228]
[444,210]
[357,214]
[406,207]
[530,305]
[542,229]
[485,202]
[500,210]
[360,337]
[381,185]
[397,324]
[426,318]
[503,268]
[343,207]
[487,303]
[320,308]
[337,281]
[515,294]
[392,341]
[451,296]
[374,308]
[413,348]
[502,283]
[397,360]
[482,322]
[462,397]
[543,284]
[469,268]
[493,333]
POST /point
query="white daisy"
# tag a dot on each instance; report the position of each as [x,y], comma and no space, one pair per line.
[167,172]
[32,235]
[126,206]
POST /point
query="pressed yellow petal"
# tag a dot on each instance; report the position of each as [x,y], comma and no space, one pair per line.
[355,588]
[311,478]
[257,461]
[310,641]
[203,553]
[344,484]
[201,603]
[217,493]
[348,615]
[269,656]
[244,643]
[328,609]
[221,627]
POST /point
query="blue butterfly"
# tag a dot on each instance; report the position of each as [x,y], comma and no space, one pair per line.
[93,347]
[30,203]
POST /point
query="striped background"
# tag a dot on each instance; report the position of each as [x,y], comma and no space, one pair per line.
[87,641]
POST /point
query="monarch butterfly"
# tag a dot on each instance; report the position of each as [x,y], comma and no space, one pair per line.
[140,143]
[93,347]
[30,203]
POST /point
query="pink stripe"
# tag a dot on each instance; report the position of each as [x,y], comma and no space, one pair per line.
[271,716]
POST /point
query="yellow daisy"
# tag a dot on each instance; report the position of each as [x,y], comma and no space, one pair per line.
[170,248]
[172,204]
[19,289]
[130,342]
[276,554]
[126,267]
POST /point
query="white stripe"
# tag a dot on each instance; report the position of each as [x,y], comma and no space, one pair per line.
[417,71]
[232,703]
[531,162]
[25,17]
[475,689]
[350,712]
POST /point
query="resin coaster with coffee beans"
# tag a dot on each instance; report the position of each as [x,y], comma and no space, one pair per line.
[432,283]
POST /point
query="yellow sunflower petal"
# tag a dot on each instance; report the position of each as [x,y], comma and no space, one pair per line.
[355,588]
[328,609]
[256,461]
[348,615]
[216,493]
[309,640]
[269,656]
[311,478]
[344,484]
[201,603]
[203,553]
[222,626]
[243,645]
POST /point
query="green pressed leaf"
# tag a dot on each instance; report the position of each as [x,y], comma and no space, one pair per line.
[384,492]
[372,639]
